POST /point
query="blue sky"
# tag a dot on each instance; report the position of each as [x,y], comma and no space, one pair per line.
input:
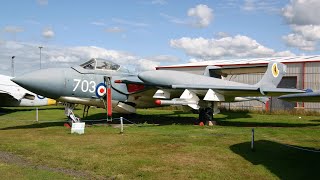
[148,33]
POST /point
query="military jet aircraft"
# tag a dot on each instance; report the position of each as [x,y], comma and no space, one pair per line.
[13,95]
[89,83]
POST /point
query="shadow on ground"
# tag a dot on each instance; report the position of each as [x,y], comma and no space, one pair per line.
[4,111]
[169,118]
[263,124]
[283,161]
[35,125]
[175,117]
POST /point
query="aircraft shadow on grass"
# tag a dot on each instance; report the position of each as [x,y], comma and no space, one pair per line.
[4,111]
[222,122]
[175,117]
[283,161]
[161,119]
[35,125]
[230,120]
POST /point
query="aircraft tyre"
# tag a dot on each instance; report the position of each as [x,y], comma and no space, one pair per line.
[205,115]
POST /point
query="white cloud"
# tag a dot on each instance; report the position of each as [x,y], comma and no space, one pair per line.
[28,57]
[163,58]
[202,15]
[13,29]
[302,16]
[146,65]
[297,40]
[48,33]
[284,54]
[309,32]
[302,12]
[222,34]
[237,46]
[261,5]
[114,30]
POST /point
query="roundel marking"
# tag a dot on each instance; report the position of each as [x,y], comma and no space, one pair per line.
[40,97]
[101,90]
[275,70]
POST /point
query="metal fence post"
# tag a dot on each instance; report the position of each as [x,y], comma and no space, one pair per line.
[121,125]
[37,114]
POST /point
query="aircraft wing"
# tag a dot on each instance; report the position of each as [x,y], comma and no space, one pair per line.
[16,96]
[302,97]
[183,80]
[220,69]
[185,88]
[236,70]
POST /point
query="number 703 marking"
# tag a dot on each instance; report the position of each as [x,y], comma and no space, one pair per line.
[84,85]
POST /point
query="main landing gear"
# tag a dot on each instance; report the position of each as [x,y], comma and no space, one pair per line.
[206,113]
[68,111]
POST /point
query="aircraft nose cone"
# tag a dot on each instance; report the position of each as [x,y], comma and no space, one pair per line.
[45,82]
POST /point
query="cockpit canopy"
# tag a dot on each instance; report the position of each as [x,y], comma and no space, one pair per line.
[102,64]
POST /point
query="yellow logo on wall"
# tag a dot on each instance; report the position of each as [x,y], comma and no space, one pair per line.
[275,70]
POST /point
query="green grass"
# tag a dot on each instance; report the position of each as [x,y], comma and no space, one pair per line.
[165,145]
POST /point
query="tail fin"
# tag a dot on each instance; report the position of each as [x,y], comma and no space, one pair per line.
[272,76]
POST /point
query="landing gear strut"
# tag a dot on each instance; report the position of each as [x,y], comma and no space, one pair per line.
[85,111]
[68,111]
[206,113]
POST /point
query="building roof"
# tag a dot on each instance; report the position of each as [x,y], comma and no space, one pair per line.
[234,62]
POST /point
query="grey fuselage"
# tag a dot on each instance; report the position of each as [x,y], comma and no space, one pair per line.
[80,86]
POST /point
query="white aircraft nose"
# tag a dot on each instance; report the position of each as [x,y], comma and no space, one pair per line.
[45,82]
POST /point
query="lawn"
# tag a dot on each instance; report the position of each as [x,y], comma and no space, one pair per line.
[164,144]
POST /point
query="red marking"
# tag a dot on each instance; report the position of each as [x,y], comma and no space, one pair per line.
[67,125]
[101,90]
[267,106]
[157,102]
[117,81]
[109,102]
[134,87]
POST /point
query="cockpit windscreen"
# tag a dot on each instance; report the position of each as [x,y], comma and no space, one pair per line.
[102,64]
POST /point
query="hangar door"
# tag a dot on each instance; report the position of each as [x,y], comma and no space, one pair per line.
[277,104]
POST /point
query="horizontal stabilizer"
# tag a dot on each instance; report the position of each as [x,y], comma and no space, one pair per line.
[279,91]
[302,97]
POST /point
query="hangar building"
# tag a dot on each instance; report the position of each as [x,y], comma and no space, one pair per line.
[302,73]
